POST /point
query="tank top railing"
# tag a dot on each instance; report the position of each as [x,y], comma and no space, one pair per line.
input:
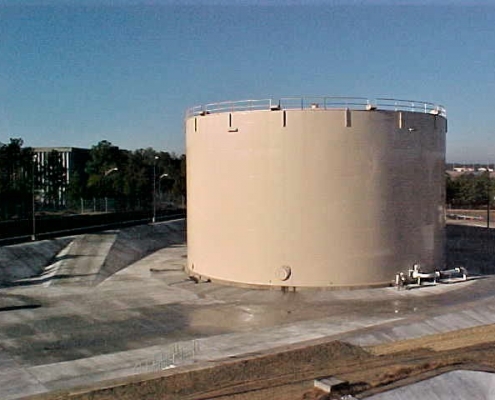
[319,103]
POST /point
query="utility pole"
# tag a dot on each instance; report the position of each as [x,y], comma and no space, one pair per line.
[154,189]
[33,198]
[104,176]
[489,200]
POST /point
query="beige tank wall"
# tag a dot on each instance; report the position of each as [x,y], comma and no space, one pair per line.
[337,205]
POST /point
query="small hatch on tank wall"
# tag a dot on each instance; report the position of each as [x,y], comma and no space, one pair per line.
[284,272]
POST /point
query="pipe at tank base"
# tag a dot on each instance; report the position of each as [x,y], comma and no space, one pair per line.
[415,277]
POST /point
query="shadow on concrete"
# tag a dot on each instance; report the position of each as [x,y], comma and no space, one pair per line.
[38,280]
[60,338]
[20,307]
[11,302]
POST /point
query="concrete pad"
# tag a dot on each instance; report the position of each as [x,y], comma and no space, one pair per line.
[149,315]
[155,358]
[15,379]
[403,329]
[472,385]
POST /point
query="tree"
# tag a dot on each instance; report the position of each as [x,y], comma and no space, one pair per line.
[179,188]
[174,184]
[469,190]
[16,177]
[109,172]
[451,190]
[75,191]
[105,158]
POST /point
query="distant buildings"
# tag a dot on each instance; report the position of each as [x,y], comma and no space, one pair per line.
[71,159]
[472,169]
[456,170]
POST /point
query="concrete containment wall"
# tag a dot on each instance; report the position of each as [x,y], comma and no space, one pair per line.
[314,197]
[26,260]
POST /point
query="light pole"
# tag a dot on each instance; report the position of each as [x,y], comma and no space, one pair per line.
[154,189]
[33,200]
[489,199]
[160,185]
[106,174]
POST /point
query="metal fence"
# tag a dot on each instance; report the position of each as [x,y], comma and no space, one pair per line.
[170,357]
[93,205]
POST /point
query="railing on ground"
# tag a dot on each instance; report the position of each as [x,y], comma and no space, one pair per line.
[318,103]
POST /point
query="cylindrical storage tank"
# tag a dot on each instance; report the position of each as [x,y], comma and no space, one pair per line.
[325,193]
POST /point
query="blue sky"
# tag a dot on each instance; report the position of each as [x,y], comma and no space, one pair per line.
[74,73]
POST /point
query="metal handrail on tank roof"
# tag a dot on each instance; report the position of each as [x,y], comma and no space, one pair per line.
[319,103]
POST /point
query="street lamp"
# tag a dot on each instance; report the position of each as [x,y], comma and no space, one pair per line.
[111,170]
[160,196]
[153,219]
[33,204]
[160,185]
[108,172]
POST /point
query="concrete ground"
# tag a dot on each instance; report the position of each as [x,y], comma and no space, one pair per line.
[89,318]
[472,385]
